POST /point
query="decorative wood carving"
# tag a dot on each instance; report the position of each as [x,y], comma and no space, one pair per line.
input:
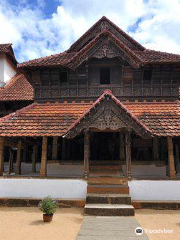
[108,120]
[108,116]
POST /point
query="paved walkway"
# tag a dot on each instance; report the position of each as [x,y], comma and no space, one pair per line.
[109,228]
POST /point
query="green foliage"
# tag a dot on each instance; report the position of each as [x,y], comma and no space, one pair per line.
[48,206]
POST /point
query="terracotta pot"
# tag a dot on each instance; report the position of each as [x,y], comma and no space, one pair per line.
[47,218]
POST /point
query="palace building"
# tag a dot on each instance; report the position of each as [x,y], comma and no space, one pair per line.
[106,108]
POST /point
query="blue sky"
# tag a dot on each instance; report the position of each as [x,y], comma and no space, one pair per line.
[42,27]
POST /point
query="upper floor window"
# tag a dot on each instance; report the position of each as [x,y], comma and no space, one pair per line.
[53,77]
[104,75]
[147,75]
[63,77]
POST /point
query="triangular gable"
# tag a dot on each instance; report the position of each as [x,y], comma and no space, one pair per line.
[99,26]
[108,113]
[112,44]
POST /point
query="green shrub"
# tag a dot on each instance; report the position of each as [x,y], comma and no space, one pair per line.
[48,206]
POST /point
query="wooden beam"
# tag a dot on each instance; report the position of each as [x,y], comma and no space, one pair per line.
[128,153]
[43,170]
[55,148]
[10,143]
[155,149]
[171,158]
[86,154]
[19,157]
[122,147]
[1,155]
[34,154]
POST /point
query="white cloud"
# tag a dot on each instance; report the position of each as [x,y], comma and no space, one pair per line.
[34,35]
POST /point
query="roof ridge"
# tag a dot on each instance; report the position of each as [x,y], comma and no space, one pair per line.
[151,50]
[104,18]
[45,57]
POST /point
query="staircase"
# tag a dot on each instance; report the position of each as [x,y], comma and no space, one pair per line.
[108,196]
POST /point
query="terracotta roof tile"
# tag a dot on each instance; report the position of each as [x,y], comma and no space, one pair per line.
[54,119]
[7,49]
[141,56]
[163,118]
[151,56]
[17,89]
[60,59]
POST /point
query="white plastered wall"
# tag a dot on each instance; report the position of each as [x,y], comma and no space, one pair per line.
[39,188]
[154,190]
[7,71]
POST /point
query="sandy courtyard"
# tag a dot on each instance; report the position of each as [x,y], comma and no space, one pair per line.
[26,224]
[160,219]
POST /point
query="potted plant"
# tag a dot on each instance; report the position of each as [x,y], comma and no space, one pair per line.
[48,206]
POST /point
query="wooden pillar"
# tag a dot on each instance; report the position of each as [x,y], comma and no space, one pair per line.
[43,170]
[55,148]
[25,154]
[155,149]
[177,158]
[34,153]
[171,158]
[86,154]
[63,156]
[19,157]
[10,168]
[121,142]
[1,155]
[128,153]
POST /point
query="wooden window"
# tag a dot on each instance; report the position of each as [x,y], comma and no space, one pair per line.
[104,75]
[45,77]
[147,75]
[54,74]
[63,77]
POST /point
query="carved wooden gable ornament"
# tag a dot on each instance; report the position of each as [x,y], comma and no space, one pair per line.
[105,45]
[107,114]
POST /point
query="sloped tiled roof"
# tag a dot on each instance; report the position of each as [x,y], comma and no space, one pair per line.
[151,56]
[51,119]
[7,49]
[60,59]
[55,119]
[163,118]
[17,89]
[138,53]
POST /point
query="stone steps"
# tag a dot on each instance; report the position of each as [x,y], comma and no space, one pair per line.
[102,188]
[109,209]
[105,167]
[108,199]
[107,180]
